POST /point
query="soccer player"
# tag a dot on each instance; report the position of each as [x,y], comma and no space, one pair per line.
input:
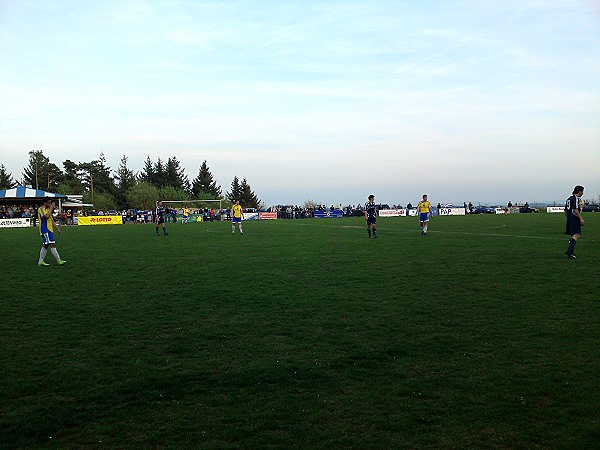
[159,217]
[574,219]
[371,216]
[46,225]
[425,211]
[185,214]
[236,211]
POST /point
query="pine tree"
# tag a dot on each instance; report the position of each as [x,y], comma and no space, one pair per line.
[97,177]
[125,179]
[147,173]
[41,173]
[236,191]
[247,197]
[175,175]
[6,180]
[204,183]
[160,174]
[72,181]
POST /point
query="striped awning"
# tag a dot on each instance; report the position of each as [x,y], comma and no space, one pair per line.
[26,192]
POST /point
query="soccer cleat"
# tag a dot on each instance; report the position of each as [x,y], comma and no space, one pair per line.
[62,262]
[571,255]
[166,234]
[43,263]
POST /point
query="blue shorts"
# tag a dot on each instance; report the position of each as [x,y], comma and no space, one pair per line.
[424,217]
[48,238]
[236,219]
[573,226]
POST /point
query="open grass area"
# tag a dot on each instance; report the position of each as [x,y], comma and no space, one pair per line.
[303,334]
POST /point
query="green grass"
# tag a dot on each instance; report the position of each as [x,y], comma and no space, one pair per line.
[303,334]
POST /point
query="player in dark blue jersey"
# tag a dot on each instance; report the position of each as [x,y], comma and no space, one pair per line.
[159,217]
[574,219]
[371,216]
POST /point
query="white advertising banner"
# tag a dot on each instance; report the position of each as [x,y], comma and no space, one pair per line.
[555,209]
[10,223]
[451,211]
[392,212]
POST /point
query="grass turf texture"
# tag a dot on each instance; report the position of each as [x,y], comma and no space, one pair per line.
[303,334]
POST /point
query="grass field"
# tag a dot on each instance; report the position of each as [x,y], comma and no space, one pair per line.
[303,334]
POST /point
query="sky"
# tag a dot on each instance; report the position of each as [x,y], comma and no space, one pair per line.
[329,101]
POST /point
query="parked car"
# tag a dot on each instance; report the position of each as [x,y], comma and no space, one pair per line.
[481,209]
[528,209]
[591,208]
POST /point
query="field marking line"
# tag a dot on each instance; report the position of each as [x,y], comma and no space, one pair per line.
[469,233]
[297,222]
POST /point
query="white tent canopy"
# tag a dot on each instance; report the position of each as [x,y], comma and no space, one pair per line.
[24,193]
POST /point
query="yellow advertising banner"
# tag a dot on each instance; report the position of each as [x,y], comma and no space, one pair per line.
[99,220]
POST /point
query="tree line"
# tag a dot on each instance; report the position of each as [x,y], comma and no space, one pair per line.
[123,188]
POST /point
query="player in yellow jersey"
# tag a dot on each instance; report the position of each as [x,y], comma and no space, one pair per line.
[185,212]
[237,217]
[46,225]
[425,212]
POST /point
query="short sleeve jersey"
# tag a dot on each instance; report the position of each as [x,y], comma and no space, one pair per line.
[423,206]
[160,212]
[237,211]
[573,202]
[371,209]
[45,224]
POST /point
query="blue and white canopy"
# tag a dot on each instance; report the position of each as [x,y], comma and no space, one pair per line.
[22,192]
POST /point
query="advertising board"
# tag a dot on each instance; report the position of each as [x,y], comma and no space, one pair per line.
[250,216]
[11,223]
[392,212]
[451,211]
[100,220]
[329,214]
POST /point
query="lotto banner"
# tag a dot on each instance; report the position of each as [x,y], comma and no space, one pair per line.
[100,220]
[9,223]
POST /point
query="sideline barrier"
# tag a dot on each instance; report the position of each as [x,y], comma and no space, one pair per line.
[555,209]
[250,216]
[13,223]
[100,220]
[392,213]
[267,216]
[335,214]
[451,212]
